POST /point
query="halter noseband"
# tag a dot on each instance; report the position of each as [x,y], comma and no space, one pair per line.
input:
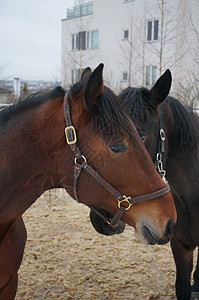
[81,163]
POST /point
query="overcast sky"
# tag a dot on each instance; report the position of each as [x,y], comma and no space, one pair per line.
[30,38]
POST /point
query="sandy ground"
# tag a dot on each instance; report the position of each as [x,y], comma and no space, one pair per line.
[65,258]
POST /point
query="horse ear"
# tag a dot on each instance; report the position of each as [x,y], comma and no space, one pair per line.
[86,73]
[93,88]
[161,89]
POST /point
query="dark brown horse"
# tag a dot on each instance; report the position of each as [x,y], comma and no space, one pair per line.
[170,132]
[35,157]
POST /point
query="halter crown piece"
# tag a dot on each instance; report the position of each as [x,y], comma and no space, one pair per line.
[80,164]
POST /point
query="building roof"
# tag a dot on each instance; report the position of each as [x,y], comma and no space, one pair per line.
[5,91]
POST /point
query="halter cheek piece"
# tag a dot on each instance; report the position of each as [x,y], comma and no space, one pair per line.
[80,164]
[161,150]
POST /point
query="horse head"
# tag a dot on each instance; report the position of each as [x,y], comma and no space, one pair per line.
[110,144]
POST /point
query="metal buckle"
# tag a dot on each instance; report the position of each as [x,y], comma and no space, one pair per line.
[125,199]
[70,133]
[159,167]
[108,222]
[80,157]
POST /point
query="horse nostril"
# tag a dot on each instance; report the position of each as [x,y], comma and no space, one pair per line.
[169,227]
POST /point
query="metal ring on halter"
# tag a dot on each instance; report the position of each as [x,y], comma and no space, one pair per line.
[82,156]
[159,157]
[162,134]
[125,199]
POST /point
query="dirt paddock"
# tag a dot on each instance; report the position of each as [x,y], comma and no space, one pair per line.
[65,258]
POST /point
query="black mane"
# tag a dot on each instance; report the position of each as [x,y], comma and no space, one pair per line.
[185,125]
[186,131]
[109,115]
[134,102]
[32,101]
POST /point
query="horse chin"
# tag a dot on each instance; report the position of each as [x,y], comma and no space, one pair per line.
[148,236]
[103,227]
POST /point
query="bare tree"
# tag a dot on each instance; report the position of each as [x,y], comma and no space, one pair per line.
[76,56]
[170,30]
[188,89]
[2,67]
[139,50]
[133,48]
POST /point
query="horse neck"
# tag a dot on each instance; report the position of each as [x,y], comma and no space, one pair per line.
[35,148]
[182,166]
[178,147]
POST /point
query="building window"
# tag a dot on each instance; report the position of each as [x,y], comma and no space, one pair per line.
[147,75]
[125,76]
[151,75]
[152,30]
[126,34]
[149,31]
[89,8]
[154,74]
[73,41]
[82,37]
[77,11]
[75,75]
[77,42]
[155,34]
[85,40]
[95,39]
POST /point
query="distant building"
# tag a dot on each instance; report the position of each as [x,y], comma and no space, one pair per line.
[17,88]
[137,40]
[5,96]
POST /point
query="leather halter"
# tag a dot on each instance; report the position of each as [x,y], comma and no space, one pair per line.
[161,149]
[80,164]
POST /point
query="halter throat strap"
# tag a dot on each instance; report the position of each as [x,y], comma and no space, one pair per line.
[80,164]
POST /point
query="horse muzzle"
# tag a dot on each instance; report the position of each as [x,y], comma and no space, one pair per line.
[152,237]
[101,226]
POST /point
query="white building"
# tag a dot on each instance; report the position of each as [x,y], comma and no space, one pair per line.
[17,88]
[137,40]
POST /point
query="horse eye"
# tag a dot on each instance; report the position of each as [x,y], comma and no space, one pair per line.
[141,134]
[118,148]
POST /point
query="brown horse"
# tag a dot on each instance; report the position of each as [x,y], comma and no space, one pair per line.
[35,157]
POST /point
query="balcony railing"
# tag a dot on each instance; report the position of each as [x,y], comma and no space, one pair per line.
[80,10]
